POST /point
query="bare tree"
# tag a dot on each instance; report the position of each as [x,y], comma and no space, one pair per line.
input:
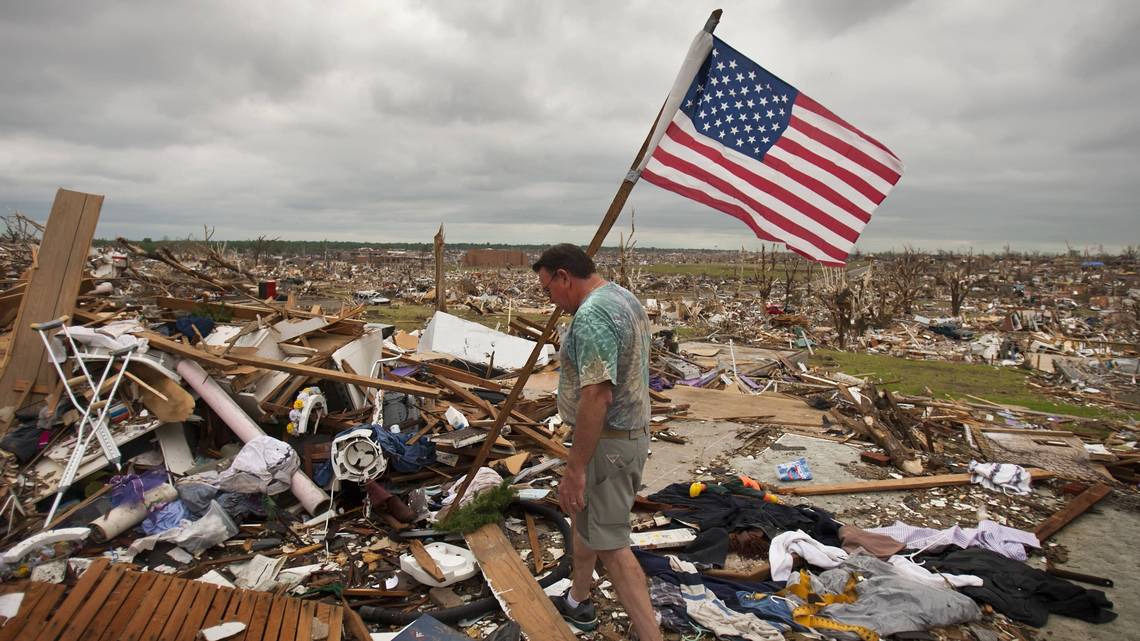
[955,276]
[837,298]
[625,254]
[765,273]
[905,276]
[261,246]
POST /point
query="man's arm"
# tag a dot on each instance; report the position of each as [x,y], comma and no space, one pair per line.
[593,404]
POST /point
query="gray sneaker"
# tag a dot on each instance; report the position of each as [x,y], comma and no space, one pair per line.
[584,617]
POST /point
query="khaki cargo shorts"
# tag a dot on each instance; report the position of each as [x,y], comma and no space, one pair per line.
[613,477]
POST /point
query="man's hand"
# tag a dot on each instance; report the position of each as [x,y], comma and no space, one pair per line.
[572,490]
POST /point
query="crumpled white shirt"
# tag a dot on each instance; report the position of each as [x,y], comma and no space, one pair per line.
[798,542]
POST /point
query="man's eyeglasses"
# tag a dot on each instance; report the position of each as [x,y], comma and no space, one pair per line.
[546,285]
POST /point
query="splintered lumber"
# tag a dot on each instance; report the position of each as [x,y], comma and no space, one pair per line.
[162,343]
[334,375]
[521,597]
[1071,511]
[50,293]
[535,546]
[890,485]
[423,557]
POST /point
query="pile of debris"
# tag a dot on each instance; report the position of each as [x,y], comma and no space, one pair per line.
[179,465]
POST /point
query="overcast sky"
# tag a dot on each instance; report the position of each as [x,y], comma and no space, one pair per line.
[515,121]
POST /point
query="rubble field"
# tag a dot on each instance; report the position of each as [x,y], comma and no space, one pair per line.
[204,441]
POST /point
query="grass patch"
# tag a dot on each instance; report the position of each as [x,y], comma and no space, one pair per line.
[1005,385]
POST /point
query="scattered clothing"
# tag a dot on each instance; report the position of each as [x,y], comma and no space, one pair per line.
[911,570]
[1007,541]
[773,609]
[877,545]
[725,589]
[194,326]
[710,548]
[164,518]
[799,543]
[716,507]
[797,470]
[703,607]
[887,601]
[1021,592]
[264,465]
[1006,478]
[669,604]
[23,441]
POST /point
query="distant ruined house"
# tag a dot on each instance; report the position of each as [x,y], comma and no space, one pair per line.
[495,258]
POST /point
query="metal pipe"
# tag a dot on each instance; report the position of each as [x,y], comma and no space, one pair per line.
[311,496]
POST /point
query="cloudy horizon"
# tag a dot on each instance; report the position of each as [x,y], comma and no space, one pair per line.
[515,122]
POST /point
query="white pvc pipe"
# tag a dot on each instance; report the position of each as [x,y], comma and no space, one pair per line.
[124,517]
[311,496]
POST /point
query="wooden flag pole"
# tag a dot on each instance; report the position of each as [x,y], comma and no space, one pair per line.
[611,216]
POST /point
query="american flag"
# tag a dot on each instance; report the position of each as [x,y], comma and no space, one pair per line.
[749,144]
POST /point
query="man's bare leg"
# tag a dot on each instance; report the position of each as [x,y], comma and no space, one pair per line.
[582,572]
[625,573]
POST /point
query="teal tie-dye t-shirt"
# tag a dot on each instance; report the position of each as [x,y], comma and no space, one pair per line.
[608,340]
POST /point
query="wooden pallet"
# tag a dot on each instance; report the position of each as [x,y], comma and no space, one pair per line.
[115,603]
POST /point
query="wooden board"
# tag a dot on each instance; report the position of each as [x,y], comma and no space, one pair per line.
[51,290]
[513,585]
[178,405]
[170,346]
[116,603]
[333,375]
[1071,511]
[890,485]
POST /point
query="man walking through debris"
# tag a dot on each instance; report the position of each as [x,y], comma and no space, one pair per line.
[603,392]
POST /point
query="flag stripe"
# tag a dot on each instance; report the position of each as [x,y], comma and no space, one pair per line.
[736,211]
[815,107]
[745,174]
[820,187]
[733,209]
[844,148]
[846,135]
[807,181]
[878,187]
[812,163]
[830,247]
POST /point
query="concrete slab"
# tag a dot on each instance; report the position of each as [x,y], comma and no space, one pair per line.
[1100,543]
[826,459]
[672,462]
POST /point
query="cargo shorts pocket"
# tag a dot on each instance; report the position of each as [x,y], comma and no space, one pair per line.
[611,495]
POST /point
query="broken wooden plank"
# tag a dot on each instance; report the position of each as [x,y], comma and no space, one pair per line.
[1071,511]
[51,290]
[535,547]
[423,557]
[518,593]
[334,375]
[890,485]
[162,343]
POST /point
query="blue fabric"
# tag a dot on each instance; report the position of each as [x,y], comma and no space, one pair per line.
[402,458]
[165,518]
[726,590]
[186,325]
[772,609]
